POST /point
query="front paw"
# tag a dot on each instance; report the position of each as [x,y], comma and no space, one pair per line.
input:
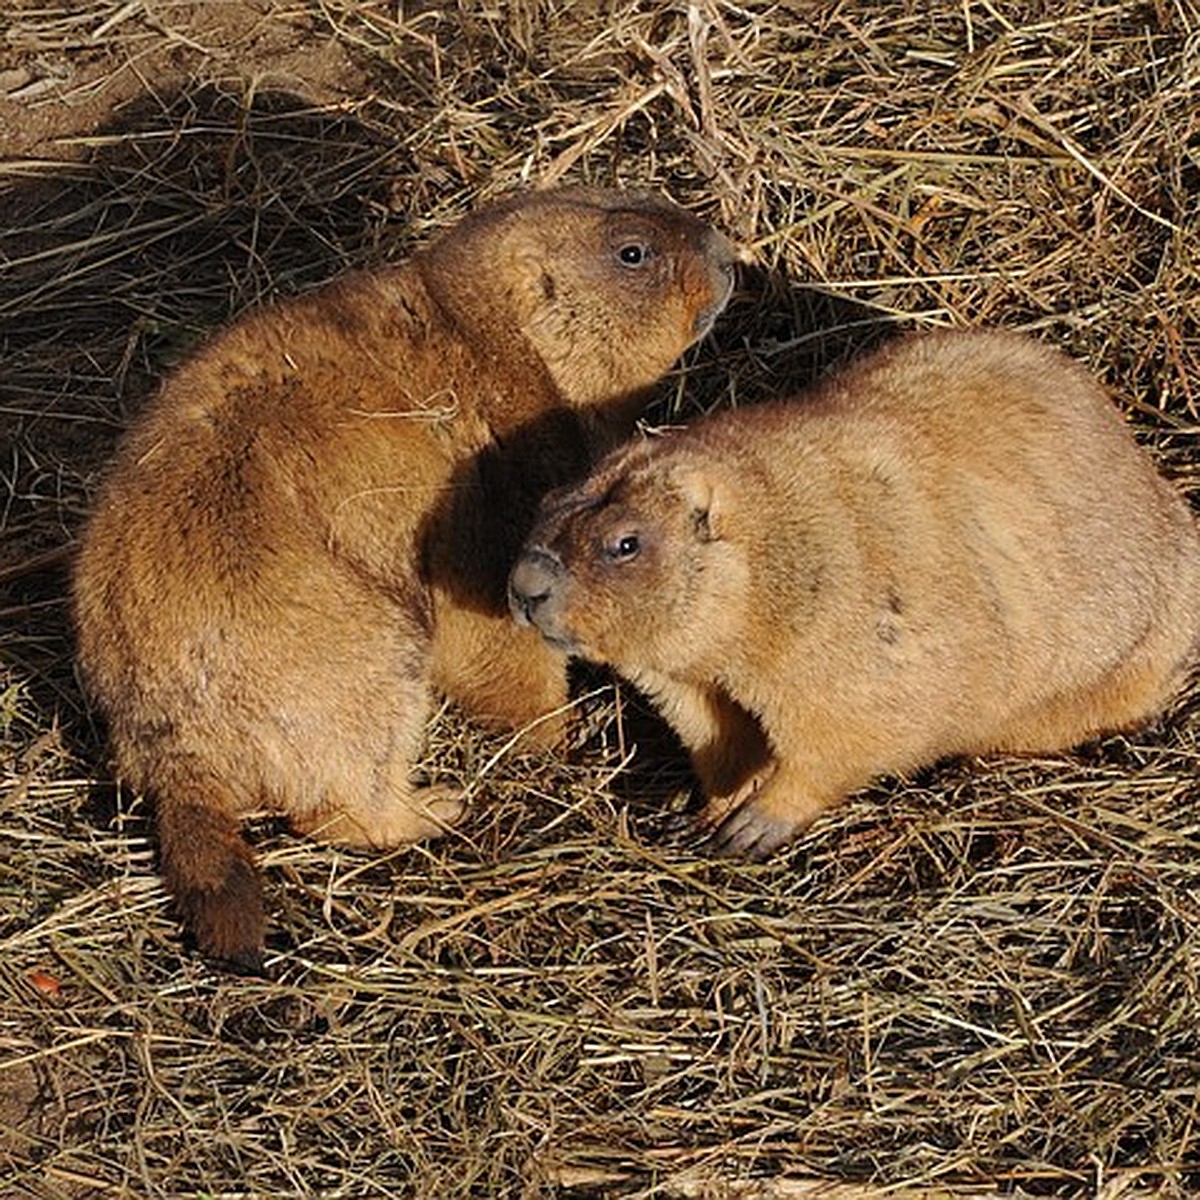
[765,817]
[707,824]
[720,807]
[751,833]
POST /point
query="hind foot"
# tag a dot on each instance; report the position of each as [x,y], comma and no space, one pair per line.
[423,812]
[427,813]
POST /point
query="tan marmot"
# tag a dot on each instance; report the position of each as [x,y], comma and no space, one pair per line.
[309,530]
[952,547]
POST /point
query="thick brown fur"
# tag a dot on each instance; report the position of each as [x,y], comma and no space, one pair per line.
[952,547]
[309,530]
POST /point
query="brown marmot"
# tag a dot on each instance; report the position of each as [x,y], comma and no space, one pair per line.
[309,530]
[952,547]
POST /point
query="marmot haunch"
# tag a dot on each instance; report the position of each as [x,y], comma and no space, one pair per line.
[309,530]
[954,546]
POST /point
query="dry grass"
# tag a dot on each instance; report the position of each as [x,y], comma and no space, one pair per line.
[982,979]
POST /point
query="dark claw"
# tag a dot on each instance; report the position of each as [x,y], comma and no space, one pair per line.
[678,826]
[683,824]
[747,834]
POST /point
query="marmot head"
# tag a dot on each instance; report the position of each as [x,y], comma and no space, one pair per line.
[636,567]
[608,288]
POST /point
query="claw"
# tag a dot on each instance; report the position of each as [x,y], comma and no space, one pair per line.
[750,834]
[681,824]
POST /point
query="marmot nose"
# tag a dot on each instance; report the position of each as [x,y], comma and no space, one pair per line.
[532,583]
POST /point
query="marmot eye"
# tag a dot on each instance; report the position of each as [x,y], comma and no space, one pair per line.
[625,548]
[633,254]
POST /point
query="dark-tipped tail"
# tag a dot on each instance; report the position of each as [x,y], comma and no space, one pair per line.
[210,871]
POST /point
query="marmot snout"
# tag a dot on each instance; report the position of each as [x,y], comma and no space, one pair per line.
[309,529]
[953,547]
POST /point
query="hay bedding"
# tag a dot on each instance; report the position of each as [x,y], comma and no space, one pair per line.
[982,979]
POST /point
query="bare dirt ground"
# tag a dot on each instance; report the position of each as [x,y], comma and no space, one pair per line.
[981,980]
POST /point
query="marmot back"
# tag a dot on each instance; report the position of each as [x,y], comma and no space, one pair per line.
[951,547]
[308,531]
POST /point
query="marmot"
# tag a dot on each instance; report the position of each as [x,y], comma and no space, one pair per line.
[310,529]
[952,547]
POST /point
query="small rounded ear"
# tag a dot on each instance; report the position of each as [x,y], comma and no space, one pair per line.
[533,281]
[704,495]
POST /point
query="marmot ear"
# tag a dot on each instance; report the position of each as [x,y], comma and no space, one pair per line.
[533,283]
[704,495]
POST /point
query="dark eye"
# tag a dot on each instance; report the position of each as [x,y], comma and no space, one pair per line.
[633,254]
[624,548]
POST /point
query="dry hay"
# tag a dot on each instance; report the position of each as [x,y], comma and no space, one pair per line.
[980,979]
